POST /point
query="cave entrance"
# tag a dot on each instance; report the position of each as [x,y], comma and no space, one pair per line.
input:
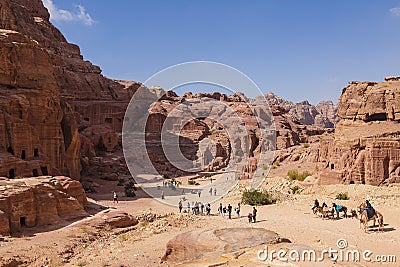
[377,117]
[386,162]
[351,182]
[44,170]
[22,221]
[35,173]
[36,153]
[332,166]
[11,174]
[23,154]
[10,150]
[108,120]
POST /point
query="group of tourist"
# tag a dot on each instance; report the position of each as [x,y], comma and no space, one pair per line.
[196,208]
[227,210]
[171,184]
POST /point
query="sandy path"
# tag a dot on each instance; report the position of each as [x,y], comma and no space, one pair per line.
[291,219]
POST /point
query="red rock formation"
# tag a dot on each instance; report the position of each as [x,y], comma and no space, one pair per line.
[366,145]
[322,115]
[39,201]
[195,245]
[197,129]
[45,88]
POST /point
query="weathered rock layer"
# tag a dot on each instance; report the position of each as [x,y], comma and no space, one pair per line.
[39,201]
[366,144]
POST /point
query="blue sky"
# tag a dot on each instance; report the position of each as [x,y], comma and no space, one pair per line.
[296,49]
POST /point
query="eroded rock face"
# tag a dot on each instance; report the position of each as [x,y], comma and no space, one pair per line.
[322,115]
[290,132]
[40,201]
[210,120]
[50,96]
[204,243]
[366,144]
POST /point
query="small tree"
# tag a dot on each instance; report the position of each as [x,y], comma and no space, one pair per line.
[130,189]
[256,197]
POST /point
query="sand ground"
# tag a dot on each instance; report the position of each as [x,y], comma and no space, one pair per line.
[144,245]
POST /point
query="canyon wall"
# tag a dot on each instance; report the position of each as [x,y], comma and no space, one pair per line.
[52,102]
[366,145]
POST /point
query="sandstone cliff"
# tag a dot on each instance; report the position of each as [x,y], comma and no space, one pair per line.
[49,96]
[39,201]
[322,115]
[366,144]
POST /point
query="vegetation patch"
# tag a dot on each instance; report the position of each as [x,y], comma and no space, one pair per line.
[257,198]
[130,189]
[343,196]
[295,175]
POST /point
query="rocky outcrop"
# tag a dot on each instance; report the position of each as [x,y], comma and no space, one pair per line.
[40,201]
[212,120]
[322,115]
[205,243]
[52,101]
[366,144]
[290,132]
[110,218]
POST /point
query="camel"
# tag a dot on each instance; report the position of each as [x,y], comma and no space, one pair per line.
[361,209]
[354,214]
[339,209]
[324,212]
[377,216]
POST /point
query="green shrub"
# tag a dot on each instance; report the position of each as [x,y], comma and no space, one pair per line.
[342,196]
[295,175]
[306,145]
[191,182]
[130,189]
[256,197]
[295,189]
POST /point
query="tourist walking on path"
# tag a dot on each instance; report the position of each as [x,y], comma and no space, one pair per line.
[215,191]
[210,191]
[224,211]
[162,195]
[237,210]
[188,207]
[220,209]
[254,214]
[180,206]
[229,211]
[199,192]
[115,197]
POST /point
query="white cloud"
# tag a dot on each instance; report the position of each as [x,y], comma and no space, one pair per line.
[395,11]
[57,14]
